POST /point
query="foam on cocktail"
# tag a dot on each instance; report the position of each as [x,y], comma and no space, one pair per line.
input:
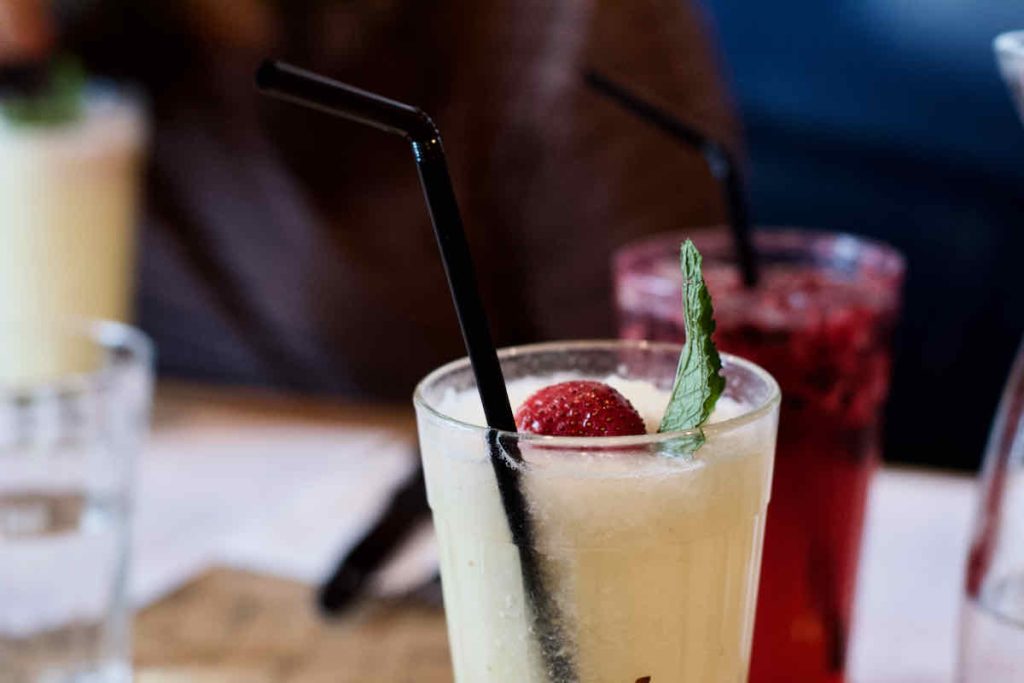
[649,400]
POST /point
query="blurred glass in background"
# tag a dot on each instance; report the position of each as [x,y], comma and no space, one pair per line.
[1009,49]
[992,623]
[992,627]
[70,428]
[69,191]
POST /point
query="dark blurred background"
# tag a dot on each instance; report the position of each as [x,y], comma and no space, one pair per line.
[889,119]
[284,248]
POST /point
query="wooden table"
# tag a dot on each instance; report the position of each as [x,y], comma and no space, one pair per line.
[233,626]
[229,626]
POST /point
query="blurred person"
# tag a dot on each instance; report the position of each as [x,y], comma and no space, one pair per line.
[283,247]
[26,33]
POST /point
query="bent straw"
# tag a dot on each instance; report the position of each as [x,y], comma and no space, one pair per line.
[719,160]
[308,89]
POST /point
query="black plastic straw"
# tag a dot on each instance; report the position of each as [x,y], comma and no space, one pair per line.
[407,507]
[303,87]
[720,161]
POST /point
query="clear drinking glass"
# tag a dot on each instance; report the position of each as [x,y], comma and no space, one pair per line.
[651,560]
[820,321]
[992,627]
[71,421]
[992,624]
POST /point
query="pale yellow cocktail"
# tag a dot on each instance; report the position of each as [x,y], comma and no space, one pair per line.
[651,559]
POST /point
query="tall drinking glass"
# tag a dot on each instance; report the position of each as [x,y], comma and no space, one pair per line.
[70,425]
[992,628]
[820,321]
[650,558]
[68,199]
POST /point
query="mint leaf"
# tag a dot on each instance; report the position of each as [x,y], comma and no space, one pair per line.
[59,101]
[698,380]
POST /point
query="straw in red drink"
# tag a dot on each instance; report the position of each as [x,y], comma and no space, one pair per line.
[719,159]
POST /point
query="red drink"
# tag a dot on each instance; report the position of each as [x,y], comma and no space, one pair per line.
[820,321]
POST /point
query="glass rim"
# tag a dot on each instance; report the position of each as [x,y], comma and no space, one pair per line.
[604,442]
[1010,44]
[106,335]
[886,261]
[892,261]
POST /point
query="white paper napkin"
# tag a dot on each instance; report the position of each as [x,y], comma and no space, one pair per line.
[287,500]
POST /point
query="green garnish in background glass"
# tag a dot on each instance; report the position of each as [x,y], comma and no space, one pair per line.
[58,102]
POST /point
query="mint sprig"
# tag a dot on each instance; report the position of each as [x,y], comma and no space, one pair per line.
[57,102]
[699,382]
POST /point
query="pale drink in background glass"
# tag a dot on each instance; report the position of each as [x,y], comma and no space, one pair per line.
[68,209]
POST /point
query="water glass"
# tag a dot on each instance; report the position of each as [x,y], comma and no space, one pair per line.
[74,405]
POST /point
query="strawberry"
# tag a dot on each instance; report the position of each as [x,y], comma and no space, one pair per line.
[579,408]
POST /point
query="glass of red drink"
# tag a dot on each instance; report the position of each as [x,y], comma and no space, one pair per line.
[820,320]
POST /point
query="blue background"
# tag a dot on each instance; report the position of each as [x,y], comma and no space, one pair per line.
[888,118]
